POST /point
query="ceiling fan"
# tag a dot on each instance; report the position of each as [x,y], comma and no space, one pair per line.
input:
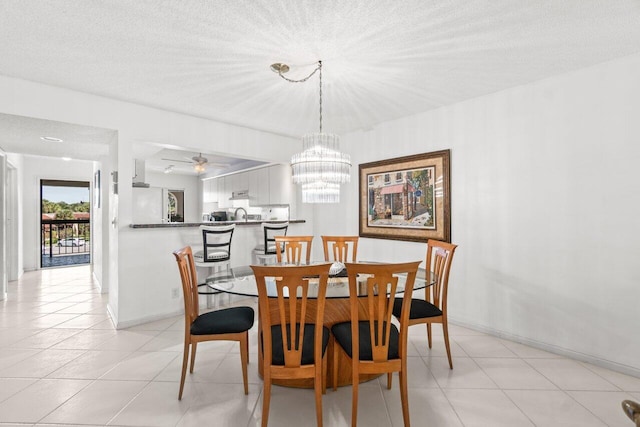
[200,163]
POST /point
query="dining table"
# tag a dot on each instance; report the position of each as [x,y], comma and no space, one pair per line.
[240,280]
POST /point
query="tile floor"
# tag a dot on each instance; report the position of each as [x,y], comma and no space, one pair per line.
[62,363]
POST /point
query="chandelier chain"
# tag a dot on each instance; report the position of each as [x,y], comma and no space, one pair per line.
[321,167]
[320,68]
[304,79]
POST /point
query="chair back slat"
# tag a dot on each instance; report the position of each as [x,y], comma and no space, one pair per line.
[339,247]
[439,258]
[381,282]
[379,308]
[292,286]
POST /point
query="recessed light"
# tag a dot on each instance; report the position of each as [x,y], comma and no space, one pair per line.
[50,139]
[66,159]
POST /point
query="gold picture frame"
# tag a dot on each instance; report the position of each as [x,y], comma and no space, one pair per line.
[406,198]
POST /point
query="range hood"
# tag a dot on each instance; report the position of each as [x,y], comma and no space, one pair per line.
[240,195]
[138,174]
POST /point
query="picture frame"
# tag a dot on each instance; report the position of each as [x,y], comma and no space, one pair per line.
[96,189]
[406,198]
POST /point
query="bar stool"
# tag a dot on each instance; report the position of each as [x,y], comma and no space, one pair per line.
[214,255]
[266,251]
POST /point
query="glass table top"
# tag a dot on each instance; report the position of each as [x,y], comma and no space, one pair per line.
[241,281]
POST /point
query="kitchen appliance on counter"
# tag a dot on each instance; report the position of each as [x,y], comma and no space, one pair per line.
[219,216]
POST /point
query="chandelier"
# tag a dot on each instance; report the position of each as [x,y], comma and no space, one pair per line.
[320,168]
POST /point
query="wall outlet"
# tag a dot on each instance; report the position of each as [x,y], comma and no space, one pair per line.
[174,293]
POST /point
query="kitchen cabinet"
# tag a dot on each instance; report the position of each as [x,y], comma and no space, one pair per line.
[269,185]
[253,186]
[224,191]
[214,189]
[240,181]
[280,189]
[259,186]
[209,195]
[209,191]
[206,194]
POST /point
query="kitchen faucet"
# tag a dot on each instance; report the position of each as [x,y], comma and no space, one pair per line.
[235,214]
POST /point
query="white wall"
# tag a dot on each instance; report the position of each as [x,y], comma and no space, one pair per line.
[98,228]
[34,169]
[3,223]
[15,162]
[545,202]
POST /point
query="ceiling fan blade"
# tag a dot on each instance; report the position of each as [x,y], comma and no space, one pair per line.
[180,161]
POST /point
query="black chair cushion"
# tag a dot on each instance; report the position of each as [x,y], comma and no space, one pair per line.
[277,357]
[227,321]
[419,309]
[342,334]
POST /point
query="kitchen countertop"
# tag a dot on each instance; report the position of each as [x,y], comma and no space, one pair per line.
[213,223]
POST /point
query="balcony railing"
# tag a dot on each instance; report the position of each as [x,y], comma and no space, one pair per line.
[61,237]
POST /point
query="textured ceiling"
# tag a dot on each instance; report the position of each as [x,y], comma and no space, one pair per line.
[383,59]
[23,135]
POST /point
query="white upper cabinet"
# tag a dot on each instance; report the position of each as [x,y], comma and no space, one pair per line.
[209,191]
[280,184]
[241,181]
[206,192]
[262,192]
[253,186]
[224,191]
[269,185]
[213,188]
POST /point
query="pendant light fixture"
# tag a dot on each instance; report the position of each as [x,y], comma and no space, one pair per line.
[321,167]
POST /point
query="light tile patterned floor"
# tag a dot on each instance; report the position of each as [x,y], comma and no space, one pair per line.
[62,363]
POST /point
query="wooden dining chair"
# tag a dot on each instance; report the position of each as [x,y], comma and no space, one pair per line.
[293,338]
[339,247]
[433,308]
[293,248]
[369,339]
[231,324]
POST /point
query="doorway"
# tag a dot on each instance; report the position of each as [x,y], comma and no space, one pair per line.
[175,207]
[65,223]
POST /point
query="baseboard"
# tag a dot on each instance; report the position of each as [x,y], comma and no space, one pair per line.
[112,316]
[614,366]
[234,300]
[101,288]
[147,319]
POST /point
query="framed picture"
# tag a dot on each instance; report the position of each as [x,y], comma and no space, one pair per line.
[96,189]
[406,198]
